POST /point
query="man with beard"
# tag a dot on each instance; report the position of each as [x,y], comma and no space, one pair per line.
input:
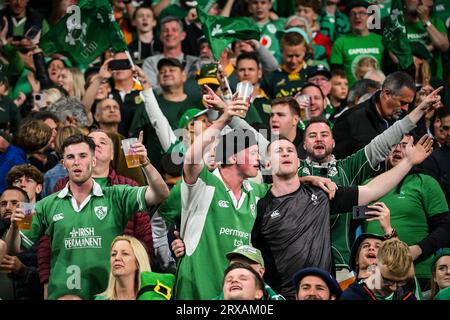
[316,284]
[292,226]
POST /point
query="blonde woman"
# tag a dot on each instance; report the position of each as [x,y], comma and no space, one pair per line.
[72,80]
[128,259]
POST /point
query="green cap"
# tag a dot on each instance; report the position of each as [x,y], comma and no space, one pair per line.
[190,115]
[208,75]
[248,252]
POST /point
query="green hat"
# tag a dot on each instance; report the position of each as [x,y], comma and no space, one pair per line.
[208,75]
[248,252]
[419,50]
[190,115]
[439,254]
[156,286]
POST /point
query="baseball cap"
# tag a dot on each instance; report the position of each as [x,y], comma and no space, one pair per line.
[357,244]
[319,69]
[331,282]
[190,115]
[294,29]
[208,75]
[248,252]
[355,3]
[169,62]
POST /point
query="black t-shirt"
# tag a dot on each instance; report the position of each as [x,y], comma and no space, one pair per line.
[293,232]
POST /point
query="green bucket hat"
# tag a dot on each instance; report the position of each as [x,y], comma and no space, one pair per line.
[156,286]
[190,115]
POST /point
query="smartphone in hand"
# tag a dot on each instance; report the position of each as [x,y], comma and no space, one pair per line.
[359,213]
[119,64]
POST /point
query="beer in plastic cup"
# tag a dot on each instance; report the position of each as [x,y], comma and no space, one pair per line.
[130,156]
[244,90]
[305,112]
[28,210]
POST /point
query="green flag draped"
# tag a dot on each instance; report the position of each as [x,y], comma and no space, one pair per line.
[85,32]
[394,36]
[221,31]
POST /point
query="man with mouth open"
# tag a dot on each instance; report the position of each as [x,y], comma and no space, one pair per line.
[83,219]
[292,227]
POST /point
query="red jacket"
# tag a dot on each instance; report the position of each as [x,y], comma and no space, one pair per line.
[324,41]
[139,226]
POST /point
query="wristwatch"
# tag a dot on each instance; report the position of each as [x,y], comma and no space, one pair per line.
[427,24]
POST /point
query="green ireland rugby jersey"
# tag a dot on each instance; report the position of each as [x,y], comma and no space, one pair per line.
[81,236]
[213,223]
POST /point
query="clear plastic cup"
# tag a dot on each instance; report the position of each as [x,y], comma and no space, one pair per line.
[28,210]
[305,110]
[244,90]
[130,156]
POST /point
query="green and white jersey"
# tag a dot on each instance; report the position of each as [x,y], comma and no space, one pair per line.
[81,236]
[349,49]
[213,223]
[351,171]
[420,198]
[269,37]
[415,31]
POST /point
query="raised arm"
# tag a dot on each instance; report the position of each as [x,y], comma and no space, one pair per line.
[213,101]
[193,162]
[383,183]
[380,146]
[91,91]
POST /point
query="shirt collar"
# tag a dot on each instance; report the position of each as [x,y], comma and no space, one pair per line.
[245,184]
[96,190]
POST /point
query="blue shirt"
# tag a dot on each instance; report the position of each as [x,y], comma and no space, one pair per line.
[12,157]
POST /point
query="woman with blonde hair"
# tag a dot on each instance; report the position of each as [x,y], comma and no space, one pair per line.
[72,80]
[128,259]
